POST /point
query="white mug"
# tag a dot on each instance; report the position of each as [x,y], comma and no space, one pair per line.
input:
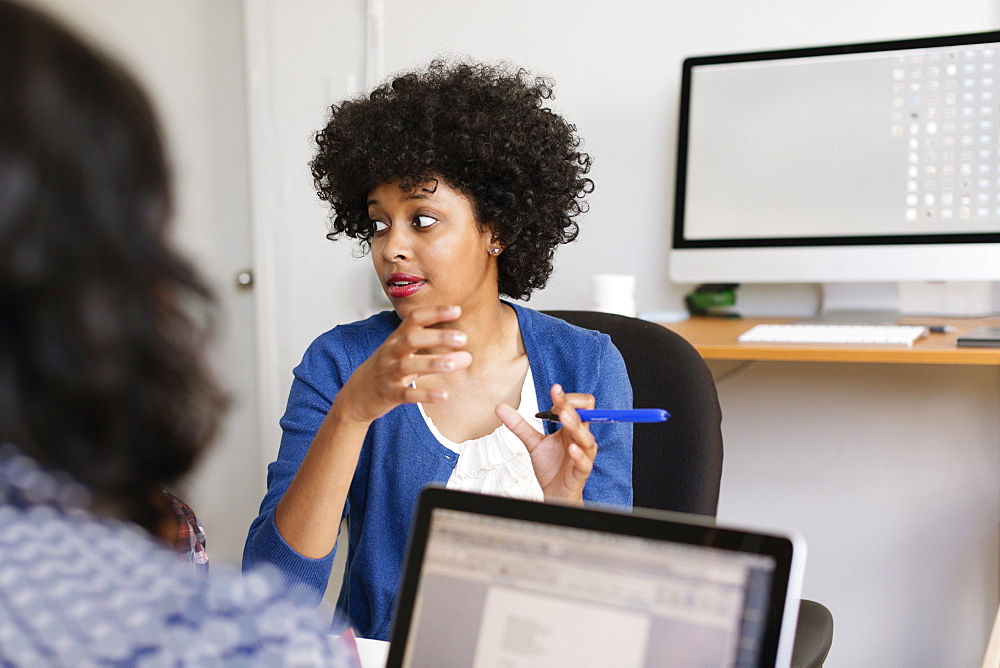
[614,293]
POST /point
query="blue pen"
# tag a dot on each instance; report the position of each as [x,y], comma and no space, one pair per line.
[598,415]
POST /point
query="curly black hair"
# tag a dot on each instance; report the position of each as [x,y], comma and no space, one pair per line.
[102,324]
[482,129]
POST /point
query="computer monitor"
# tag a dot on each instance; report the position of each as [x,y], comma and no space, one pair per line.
[874,163]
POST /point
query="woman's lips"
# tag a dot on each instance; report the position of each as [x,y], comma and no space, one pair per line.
[403,285]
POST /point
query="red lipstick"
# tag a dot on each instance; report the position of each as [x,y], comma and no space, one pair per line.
[403,285]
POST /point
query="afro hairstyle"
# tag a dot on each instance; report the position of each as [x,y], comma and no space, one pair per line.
[483,130]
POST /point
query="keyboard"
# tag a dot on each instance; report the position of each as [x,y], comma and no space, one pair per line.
[891,335]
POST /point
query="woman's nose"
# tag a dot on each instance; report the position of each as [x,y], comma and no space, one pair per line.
[397,245]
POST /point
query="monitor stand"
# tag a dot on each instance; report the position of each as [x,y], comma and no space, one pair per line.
[870,303]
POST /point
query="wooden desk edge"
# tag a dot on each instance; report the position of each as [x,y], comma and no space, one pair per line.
[716,339]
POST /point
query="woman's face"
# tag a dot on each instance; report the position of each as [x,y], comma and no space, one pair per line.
[429,250]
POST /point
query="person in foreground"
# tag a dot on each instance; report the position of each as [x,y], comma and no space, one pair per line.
[103,397]
[461,183]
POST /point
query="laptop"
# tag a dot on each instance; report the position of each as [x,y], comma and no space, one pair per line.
[492,581]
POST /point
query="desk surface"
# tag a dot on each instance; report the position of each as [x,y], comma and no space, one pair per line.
[372,653]
[716,339]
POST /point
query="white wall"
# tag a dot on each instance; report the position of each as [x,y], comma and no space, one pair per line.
[892,474]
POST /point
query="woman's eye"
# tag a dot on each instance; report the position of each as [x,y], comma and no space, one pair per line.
[379,225]
[425,221]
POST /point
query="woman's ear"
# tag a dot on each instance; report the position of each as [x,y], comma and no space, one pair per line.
[495,246]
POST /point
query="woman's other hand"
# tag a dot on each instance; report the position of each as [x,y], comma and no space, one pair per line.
[385,379]
[562,460]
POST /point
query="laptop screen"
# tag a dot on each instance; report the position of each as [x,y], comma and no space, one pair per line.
[492,589]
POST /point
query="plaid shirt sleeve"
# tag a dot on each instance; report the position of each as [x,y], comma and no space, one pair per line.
[189,542]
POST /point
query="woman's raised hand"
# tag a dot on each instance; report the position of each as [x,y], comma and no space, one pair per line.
[562,460]
[385,379]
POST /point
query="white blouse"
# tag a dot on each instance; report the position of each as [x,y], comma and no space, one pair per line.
[497,463]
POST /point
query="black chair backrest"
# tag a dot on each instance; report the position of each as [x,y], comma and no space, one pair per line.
[677,465]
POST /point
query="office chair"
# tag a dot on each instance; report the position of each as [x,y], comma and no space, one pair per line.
[667,372]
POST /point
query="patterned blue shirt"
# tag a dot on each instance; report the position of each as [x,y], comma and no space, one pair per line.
[77,589]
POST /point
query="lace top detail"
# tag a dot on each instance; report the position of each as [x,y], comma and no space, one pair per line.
[497,463]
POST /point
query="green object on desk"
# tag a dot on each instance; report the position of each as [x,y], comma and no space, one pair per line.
[717,299]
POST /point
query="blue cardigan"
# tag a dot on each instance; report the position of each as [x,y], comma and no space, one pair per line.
[400,455]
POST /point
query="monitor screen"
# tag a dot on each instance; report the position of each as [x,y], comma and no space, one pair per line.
[865,162]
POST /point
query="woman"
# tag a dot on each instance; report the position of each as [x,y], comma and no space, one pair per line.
[103,397]
[461,183]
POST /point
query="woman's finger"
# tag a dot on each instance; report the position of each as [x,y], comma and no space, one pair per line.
[412,339]
[583,463]
[422,365]
[413,395]
[572,428]
[574,431]
[579,436]
[576,475]
[579,400]
[425,316]
[519,426]
[575,399]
